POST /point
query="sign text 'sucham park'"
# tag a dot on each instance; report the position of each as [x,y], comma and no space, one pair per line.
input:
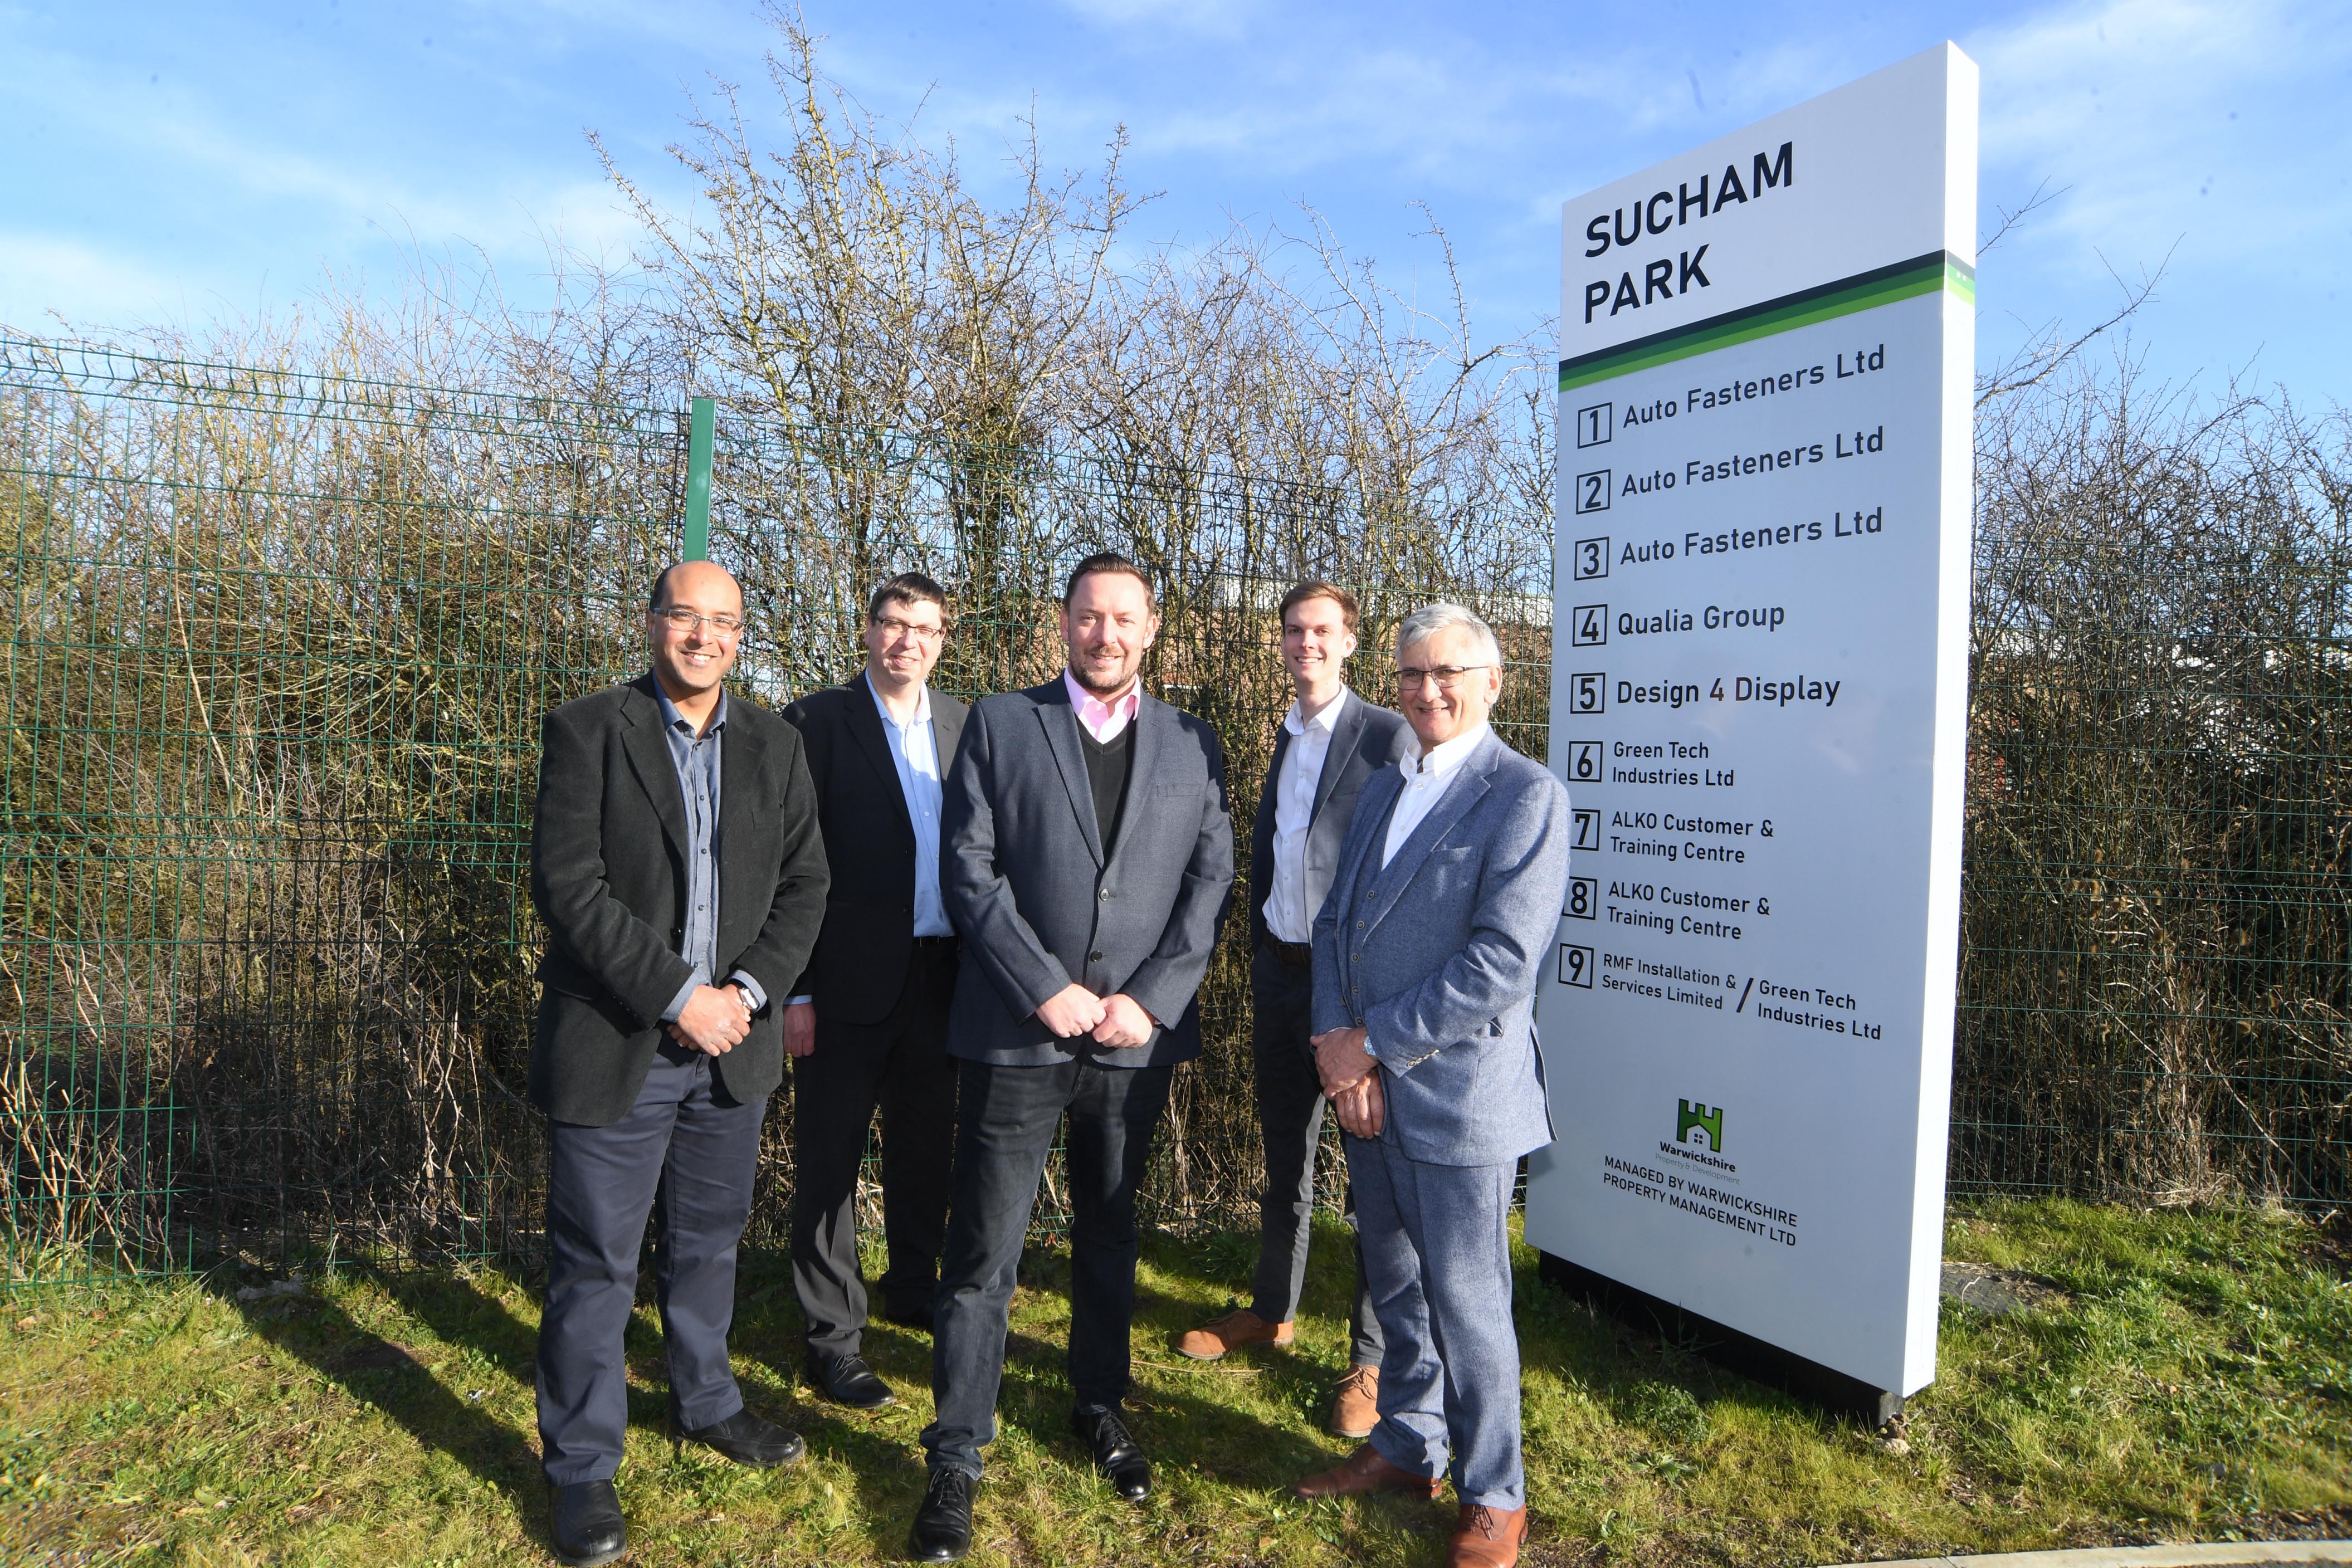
[1758,708]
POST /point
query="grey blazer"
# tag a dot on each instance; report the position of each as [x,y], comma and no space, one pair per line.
[608,847]
[1041,901]
[1437,955]
[1366,739]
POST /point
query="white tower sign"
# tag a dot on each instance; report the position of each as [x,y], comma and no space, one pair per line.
[1759,700]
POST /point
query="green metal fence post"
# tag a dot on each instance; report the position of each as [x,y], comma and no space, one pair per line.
[696,543]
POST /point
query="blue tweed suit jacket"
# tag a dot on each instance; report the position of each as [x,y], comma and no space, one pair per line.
[1437,955]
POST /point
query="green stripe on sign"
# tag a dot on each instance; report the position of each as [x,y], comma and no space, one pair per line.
[1926,274]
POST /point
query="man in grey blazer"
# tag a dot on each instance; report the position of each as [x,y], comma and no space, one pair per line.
[1328,747]
[1088,857]
[1446,903]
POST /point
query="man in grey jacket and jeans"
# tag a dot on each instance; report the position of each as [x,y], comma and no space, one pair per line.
[1446,903]
[1088,854]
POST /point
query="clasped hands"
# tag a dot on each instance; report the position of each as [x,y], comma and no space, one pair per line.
[714,1020]
[1349,1076]
[1117,1022]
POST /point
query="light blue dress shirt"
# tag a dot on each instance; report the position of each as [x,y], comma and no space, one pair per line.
[915,753]
[697,760]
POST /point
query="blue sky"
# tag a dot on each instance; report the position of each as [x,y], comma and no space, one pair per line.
[176,163]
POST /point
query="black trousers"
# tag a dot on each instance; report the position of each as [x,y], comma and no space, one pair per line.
[1005,1129]
[901,1066]
[686,1141]
[1290,1114]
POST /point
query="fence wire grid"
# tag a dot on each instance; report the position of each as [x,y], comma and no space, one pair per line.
[279,644]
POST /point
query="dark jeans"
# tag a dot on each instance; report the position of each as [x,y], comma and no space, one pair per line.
[686,1145]
[901,1066]
[1003,1130]
[1290,1116]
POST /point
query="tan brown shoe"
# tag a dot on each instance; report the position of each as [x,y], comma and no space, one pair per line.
[1365,1471]
[1486,1537]
[1242,1326]
[1355,1403]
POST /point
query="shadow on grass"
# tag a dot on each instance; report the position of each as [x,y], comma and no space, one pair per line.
[374,1369]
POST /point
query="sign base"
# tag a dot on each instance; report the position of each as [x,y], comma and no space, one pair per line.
[1756,1360]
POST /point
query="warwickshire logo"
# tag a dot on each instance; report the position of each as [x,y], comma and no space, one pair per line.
[1699,1118]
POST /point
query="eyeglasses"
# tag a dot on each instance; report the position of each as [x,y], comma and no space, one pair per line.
[894,627]
[1446,676]
[684,620]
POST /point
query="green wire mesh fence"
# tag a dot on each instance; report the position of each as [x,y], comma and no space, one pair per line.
[278,651]
[279,644]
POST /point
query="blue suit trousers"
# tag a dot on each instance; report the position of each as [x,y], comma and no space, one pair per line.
[1437,1262]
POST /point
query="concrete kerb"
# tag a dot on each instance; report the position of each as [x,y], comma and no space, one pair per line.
[2202,1554]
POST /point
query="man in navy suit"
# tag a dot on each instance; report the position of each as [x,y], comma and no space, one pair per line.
[1447,901]
[1089,854]
[867,1025]
[1329,746]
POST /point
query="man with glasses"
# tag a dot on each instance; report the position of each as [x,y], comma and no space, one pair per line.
[1443,909]
[1329,746]
[676,859]
[866,1026]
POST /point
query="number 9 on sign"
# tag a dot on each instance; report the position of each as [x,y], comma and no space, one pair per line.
[1576,966]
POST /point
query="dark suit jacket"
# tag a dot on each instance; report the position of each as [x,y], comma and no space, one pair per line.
[1366,739]
[860,964]
[1041,901]
[608,876]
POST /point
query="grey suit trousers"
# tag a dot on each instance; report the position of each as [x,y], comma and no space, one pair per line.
[1290,1117]
[693,1145]
[1437,1261]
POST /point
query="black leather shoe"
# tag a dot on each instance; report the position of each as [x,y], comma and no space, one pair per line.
[847,1380]
[585,1517]
[1117,1454]
[943,1523]
[744,1438]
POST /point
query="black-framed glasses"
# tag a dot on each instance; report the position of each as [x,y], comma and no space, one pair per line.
[1409,677]
[684,620]
[894,627]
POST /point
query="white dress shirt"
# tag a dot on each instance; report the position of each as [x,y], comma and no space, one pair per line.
[1425,778]
[1104,720]
[1287,918]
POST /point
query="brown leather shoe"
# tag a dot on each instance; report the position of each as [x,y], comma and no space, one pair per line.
[1242,1326]
[1365,1471]
[1355,1403]
[1486,1537]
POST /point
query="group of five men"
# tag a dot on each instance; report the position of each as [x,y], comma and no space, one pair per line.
[989,924]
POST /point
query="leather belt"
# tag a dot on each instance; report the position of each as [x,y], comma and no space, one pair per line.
[946,941]
[1291,954]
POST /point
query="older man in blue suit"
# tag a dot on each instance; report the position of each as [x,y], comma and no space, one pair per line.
[1446,901]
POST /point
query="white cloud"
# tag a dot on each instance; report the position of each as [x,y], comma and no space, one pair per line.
[47,280]
[2173,121]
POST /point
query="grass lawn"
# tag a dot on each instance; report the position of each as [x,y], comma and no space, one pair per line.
[2194,1381]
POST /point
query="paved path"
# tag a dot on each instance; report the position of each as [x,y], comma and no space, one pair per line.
[2209,1554]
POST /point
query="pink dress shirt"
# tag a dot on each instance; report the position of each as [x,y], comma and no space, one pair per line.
[1103,720]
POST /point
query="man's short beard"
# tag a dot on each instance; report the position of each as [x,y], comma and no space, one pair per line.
[1092,688]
